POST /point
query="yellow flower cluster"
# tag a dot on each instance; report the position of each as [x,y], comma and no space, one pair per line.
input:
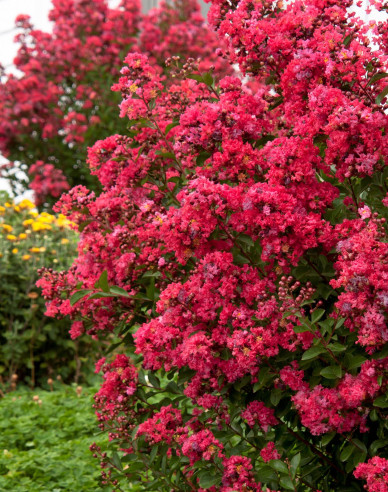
[36,223]
[22,226]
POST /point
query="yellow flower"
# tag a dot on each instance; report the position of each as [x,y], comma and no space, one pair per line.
[42,249]
[54,252]
[23,235]
[11,237]
[26,257]
[17,208]
[62,221]
[7,204]
[7,228]
[40,226]
[35,250]
[46,218]
[15,250]
[26,204]
[28,222]
[34,214]
[2,210]
[64,240]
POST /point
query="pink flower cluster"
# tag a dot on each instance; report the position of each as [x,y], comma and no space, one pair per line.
[375,472]
[363,273]
[338,409]
[120,382]
[47,181]
[258,413]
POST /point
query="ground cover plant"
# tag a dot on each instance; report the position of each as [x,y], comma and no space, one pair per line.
[45,438]
[60,102]
[238,252]
[33,346]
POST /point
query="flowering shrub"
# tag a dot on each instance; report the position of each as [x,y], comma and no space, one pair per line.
[32,346]
[63,96]
[239,252]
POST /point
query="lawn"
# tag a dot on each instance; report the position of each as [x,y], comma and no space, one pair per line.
[45,438]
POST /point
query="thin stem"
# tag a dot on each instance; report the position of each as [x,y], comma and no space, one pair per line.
[233,239]
[325,279]
[324,343]
[314,449]
[353,193]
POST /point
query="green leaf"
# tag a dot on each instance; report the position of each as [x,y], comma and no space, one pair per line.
[381,402]
[348,40]
[376,77]
[266,474]
[242,382]
[286,483]
[77,296]
[382,354]
[382,94]
[153,453]
[317,315]
[380,443]
[245,239]
[326,325]
[102,282]
[301,328]
[195,76]
[327,438]
[355,361]
[172,387]
[114,289]
[171,126]
[336,347]
[208,79]
[276,396]
[295,462]
[116,460]
[202,158]
[331,372]
[166,155]
[277,102]
[100,295]
[153,380]
[312,352]
[84,224]
[360,445]
[207,480]
[279,466]
[347,452]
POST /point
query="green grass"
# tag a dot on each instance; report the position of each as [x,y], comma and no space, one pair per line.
[45,447]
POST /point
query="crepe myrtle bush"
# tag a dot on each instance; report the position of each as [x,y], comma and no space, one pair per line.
[59,102]
[239,253]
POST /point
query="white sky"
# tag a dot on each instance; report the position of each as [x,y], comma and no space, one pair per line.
[9,10]
[38,10]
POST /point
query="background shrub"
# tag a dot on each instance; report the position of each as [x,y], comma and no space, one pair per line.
[32,346]
[62,102]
